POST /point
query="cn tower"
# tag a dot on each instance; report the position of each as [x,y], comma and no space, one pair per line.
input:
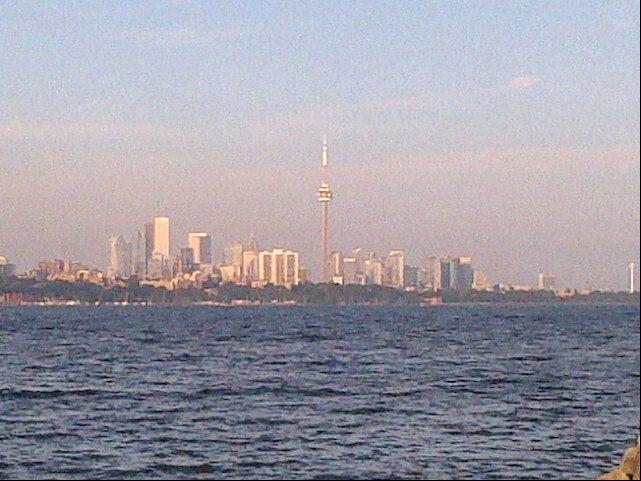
[325,197]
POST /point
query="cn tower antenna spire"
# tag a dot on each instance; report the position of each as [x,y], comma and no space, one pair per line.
[325,160]
[325,197]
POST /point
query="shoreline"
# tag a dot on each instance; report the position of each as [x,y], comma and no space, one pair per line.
[300,304]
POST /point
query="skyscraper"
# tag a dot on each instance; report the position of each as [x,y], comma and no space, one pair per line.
[161,238]
[233,259]
[373,271]
[443,281]
[461,273]
[279,267]
[200,243]
[410,277]
[138,253]
[250,261]
[350,270]
[149,246]
[337,264]
[325,197]
[120,259]
[454,267]
[394,273]
[433,273]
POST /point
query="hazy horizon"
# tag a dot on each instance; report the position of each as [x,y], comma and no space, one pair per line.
[504,131]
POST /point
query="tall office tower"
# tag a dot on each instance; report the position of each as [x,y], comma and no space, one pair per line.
[546,282]
[374,271]
[200,243]
[350,270]
[120,259]
[250,261]
[432,273]
[233,254]
[184,263]
[631,269]
[466,273]
[410,276]
[149,245]
[444,273]
[161,238]
[138,254]
[279,267]
[454,266]
[233,260]
[337,264]
[360,257]
[250,266]
[265,267]
[394,272]
[461,273]
[325,197]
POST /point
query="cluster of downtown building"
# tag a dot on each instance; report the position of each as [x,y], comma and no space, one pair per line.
[438,273]
[148,258]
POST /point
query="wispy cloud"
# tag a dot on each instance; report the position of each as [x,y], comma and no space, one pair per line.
[523,83]
[409,102]
[177,3]
[59,131]
[185,36]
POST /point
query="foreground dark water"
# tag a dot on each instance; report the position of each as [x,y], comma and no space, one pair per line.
[308,392]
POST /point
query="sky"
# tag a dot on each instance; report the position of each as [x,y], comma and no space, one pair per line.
[508,131]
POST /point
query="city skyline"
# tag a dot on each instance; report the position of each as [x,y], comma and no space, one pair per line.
[165,248]
[147,258]
[168,247]
[513,138]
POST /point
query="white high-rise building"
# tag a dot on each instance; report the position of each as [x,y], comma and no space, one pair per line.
[373,271]
[337,264]
[546,282]
[350,270]
[250,266]
[279,267]
[162,243]
[250,261]
[200,243]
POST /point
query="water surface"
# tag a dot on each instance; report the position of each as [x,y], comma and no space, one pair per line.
[317,392]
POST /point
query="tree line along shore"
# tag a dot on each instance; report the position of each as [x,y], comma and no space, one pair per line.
[15,290]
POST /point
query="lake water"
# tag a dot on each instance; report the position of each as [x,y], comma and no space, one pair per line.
[317,392]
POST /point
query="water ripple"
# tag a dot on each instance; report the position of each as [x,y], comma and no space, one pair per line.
[494,392]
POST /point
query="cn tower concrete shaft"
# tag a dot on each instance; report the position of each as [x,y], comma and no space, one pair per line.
[325,197]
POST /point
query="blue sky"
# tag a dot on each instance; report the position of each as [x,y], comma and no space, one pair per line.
[506,130]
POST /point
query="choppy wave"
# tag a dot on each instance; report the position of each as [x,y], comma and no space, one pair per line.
[317,393]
